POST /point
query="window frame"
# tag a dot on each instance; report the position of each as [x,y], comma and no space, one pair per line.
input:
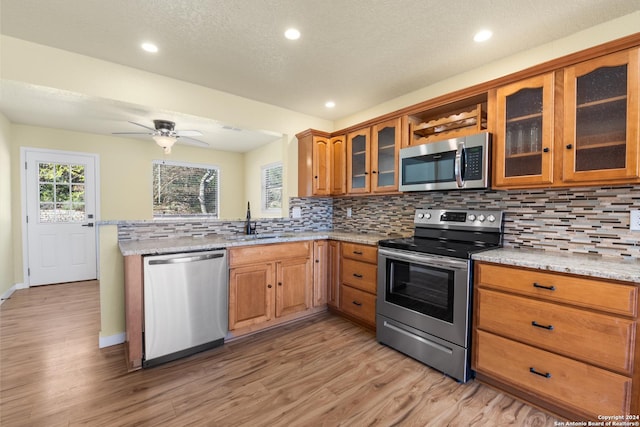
[263,188]
[187,165]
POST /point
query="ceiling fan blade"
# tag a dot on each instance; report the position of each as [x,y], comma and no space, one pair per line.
[131,133]
[146,127]
[197,141]
[188,133]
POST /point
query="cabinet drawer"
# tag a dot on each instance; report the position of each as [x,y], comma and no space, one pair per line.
[359,275]
[607,341]
[360,252]
[584,388]
[266,253]
[358,303]
[592,293]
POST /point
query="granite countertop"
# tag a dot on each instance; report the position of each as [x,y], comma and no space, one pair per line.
[627,270]
[186,244]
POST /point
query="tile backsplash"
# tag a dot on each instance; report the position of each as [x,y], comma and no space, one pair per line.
[578,220]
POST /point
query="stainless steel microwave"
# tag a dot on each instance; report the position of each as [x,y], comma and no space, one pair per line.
[452,164]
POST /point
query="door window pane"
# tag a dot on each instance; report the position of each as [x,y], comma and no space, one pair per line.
[56,193]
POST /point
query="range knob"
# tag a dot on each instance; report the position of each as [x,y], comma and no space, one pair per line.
[471,217]
[427,216]
[420,215]
[481,218]
[491,218]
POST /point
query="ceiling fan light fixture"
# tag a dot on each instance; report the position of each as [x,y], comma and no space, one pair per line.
[164,141]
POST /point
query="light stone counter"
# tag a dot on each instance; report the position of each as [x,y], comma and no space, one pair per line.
[627,270]
[188,244]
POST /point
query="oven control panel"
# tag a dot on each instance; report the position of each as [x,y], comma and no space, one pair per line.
[466,219]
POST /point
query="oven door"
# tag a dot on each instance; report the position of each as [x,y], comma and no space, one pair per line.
[427,292]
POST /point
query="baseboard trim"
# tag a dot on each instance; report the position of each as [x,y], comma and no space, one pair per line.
[5,296]
[112,340]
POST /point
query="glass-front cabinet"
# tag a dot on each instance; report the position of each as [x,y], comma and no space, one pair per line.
[600,135]
[524,137]
[358,161]
[372,158]
[385,143]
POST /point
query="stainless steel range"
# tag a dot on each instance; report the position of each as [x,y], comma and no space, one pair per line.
[424,286]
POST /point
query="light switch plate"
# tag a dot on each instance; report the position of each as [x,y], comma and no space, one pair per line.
[296,212]
[348,212]
[634,222]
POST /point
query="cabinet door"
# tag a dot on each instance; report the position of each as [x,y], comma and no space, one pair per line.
[333,279]
[358,161]
[337,165]
[321,159]
[385,143]
[601,118]
[523,142]
[251,291]
[294,286]
[320,272]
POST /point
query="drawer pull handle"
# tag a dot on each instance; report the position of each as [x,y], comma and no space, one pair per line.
[359,304]
[359,276]
[549,288]
[538,325]
[546,375]
[357,253]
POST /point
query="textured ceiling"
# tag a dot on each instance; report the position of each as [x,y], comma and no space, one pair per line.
[358,53]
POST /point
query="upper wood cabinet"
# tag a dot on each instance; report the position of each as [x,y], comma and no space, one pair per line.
[578,125]
[385,146]
[372,158]
[601,119]
[358,161]
[523,140]
[321,164]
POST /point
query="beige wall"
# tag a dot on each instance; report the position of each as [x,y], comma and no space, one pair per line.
[7,279]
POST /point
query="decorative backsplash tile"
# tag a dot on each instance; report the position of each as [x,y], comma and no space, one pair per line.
[316,215]
[577,220]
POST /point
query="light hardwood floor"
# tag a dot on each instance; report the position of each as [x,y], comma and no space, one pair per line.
[323,371]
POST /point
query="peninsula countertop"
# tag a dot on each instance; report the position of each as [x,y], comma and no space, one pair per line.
[197,243]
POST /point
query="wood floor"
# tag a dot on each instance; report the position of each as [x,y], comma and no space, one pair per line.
[324,371]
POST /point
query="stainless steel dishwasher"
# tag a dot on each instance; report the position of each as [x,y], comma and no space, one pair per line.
[185,304]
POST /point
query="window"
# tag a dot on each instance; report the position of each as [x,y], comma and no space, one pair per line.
[272,188]
[183,189]
[61,192]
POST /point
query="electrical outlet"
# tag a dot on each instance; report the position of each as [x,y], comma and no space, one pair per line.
[348,212]
[296,212]
[634,221]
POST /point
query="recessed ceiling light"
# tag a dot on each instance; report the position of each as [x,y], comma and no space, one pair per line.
[482,36]
[292,34]
[329,104]
[150,47]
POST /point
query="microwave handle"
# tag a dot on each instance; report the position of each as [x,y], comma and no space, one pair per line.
[459,165]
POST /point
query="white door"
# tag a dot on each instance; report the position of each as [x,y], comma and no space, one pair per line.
[61,203]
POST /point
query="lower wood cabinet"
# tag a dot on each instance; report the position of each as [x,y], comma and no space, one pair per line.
[562,342]
[358,279]
[269,284]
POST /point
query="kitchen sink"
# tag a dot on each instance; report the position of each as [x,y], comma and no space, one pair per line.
[247,237]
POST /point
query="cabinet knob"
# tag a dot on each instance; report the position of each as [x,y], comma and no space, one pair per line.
[316,177]
[545,149]
[279,283]
[359,304]
[317,261]
[569,146]
[366,173]
[374,172]
[269,286]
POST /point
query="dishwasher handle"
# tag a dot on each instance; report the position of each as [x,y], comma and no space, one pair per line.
[186,259]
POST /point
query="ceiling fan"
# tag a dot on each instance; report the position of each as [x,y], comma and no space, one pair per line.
[165,135]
